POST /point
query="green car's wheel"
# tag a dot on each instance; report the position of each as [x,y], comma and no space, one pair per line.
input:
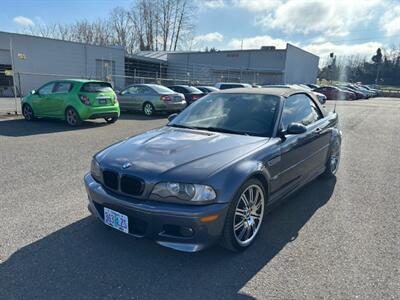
[72,117]
[111,120]
[148,109]
[27,112]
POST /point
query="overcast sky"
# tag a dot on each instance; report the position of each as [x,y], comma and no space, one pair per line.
[320,26]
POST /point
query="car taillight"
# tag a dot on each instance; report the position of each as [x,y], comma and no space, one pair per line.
[84,99]
[196,97]
[165,98]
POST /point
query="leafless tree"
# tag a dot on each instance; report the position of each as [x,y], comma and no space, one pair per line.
[147,25]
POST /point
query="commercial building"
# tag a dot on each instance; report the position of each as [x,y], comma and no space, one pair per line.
[36,60]
[266,65]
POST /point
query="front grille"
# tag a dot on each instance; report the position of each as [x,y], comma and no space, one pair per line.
[127,184]
[131,185]
[110,179]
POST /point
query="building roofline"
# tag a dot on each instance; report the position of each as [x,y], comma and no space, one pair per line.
[289,44]
[58,40]
[227,51]
[146,58]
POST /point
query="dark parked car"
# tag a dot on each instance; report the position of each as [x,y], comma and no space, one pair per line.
[210,175]
[191,93]
[359,94]
[207,89]
[313,85]
[374,91]
[335,93]
[150,98]
[363,90]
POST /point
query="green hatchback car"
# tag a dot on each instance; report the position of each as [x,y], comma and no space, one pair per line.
[72,100]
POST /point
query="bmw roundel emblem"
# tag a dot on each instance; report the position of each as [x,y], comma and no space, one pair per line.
[126,165]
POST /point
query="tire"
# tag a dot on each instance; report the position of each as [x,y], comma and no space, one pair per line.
[333,161]
[28,113]
[111,120]
[72,117]
[247,223]
[148,109]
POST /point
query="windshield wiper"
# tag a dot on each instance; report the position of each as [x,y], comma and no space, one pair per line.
[181,126]
[223,130]
[215,129]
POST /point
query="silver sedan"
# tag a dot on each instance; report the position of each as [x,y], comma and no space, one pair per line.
[150,98]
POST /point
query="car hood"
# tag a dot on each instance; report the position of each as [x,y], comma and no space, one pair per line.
[180,152]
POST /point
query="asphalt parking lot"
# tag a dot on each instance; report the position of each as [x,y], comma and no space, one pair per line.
[333,239]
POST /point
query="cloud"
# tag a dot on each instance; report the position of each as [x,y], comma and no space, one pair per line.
[209,37]
[322,49]
[23,21]
[213,4]
[390,21]
[256,42]
[257,5]
[364,50]
[331,18]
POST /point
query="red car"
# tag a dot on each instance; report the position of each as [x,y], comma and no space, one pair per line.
[334,93]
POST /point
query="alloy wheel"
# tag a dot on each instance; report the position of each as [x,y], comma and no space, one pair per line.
[334,161]
[248,215]
[28,113]
[148,109]
[72,117]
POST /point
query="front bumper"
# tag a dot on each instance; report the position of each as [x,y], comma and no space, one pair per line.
[158,220]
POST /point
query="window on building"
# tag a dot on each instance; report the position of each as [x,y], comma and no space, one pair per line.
[105,69]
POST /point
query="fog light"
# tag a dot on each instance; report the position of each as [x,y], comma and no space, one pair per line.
[186,231]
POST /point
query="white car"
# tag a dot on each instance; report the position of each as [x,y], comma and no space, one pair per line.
[231,85]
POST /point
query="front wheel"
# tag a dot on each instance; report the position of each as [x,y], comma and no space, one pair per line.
[27,112]
[72,117]
[111,120]
[244,217]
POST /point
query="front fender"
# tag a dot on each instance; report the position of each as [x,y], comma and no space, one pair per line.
[236,175]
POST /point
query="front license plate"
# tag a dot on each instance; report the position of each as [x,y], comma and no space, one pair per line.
[102,101]
[116,220]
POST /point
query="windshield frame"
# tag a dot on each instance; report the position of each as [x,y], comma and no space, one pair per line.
[274,124]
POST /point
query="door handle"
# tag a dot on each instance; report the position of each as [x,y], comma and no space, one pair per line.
[318,130]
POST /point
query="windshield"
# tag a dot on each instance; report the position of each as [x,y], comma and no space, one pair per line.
[96,87]
[249,114]
[162,89]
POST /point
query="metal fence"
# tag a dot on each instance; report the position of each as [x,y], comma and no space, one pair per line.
[14,85]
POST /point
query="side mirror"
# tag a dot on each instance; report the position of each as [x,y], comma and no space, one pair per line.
[171,117]
[34,92]
[296,128]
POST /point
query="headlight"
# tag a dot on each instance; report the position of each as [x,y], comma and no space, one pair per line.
[184,191]
[95,169]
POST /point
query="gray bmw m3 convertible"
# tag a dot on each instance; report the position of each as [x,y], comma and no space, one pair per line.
[212,172]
